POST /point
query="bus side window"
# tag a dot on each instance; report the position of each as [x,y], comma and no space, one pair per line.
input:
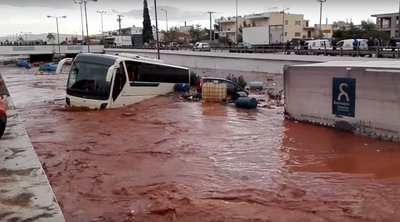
[132,69]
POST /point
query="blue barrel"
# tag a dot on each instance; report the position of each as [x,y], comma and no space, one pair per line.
[246,102]
[256,85]
[181,87]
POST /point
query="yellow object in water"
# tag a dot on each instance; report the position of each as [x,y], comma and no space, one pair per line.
[214,92]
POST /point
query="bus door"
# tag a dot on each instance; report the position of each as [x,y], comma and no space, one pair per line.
[119,82]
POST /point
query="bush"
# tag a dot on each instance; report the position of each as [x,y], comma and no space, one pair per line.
[238,80]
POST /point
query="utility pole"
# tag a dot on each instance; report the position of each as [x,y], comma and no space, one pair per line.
[80,2]
[237,22]
[210,12]
[320,17]
[119,21]
[398,24]
[158,44]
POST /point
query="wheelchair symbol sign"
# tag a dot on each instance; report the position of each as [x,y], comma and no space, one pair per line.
[344,97]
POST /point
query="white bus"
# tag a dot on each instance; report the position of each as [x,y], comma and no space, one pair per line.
[107,81]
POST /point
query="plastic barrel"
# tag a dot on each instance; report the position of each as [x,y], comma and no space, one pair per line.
[256,85]
[246,102]
[181,87]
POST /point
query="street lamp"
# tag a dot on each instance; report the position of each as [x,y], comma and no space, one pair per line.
[283,24]
[158,46]
[166,17]
[58,33]
[80,4]
[102,29]
[320,16]
[84,2]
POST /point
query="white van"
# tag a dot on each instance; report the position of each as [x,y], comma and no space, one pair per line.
[318,44]
[347,44]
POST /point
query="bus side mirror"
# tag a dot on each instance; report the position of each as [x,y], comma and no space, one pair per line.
[61,64]
[110,73]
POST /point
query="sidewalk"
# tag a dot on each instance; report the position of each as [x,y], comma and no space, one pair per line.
[25,193]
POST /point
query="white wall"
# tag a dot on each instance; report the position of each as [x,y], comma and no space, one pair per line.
[308,93]
[48,49]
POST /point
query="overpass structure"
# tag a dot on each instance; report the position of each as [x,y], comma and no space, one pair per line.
[48,49]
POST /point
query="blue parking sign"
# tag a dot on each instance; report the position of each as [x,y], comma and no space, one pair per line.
[344,97]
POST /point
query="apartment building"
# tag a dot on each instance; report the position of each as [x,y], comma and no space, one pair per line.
[388,22]
[282,26]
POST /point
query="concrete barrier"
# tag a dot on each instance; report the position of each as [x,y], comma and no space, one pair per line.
[268,63]
[48,49]
[363,97]
[26,194]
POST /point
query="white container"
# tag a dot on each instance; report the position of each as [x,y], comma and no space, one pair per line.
[363,97]
[214,92]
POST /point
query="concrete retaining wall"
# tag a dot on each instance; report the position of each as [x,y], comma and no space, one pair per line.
[355,98]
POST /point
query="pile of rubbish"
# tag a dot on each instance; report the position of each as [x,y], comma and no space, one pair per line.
[255,97]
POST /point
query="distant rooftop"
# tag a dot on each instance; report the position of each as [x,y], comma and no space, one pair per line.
[386,15]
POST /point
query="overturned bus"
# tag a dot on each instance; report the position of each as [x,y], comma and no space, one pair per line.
[107,81]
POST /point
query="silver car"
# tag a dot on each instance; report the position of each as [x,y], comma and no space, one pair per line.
[202,46]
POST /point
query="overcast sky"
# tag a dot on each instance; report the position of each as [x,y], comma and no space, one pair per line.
[18,16]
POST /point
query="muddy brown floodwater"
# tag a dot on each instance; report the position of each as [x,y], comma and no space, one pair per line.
[170,160]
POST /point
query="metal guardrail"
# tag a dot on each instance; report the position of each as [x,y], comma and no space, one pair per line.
[295,50]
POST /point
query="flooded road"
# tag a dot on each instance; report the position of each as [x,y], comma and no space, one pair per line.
[170,160]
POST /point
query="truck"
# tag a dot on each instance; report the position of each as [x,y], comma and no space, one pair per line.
[256,35]
[357,96]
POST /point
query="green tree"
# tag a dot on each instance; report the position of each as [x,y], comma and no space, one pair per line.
[147,28]
[51,38]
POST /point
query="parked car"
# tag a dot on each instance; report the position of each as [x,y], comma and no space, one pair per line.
[173,46]
[202,46]
[232,88]
[244,47]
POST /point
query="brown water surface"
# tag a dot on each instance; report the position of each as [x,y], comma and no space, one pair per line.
[170,160]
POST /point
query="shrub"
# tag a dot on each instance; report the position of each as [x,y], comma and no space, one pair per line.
[238,80]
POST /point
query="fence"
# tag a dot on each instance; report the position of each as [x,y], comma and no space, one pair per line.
[386,52]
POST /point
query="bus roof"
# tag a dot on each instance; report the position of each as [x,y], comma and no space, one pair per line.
[112,59]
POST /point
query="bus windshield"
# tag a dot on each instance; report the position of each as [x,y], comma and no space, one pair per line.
[88,80]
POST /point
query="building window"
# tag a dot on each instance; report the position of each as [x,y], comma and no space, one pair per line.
[297,23]
[286,22]
[297,34]
[285,33]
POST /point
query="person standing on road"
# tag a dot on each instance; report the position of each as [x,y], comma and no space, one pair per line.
[355,47]
[3,114]
[393,45]
[371,46]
